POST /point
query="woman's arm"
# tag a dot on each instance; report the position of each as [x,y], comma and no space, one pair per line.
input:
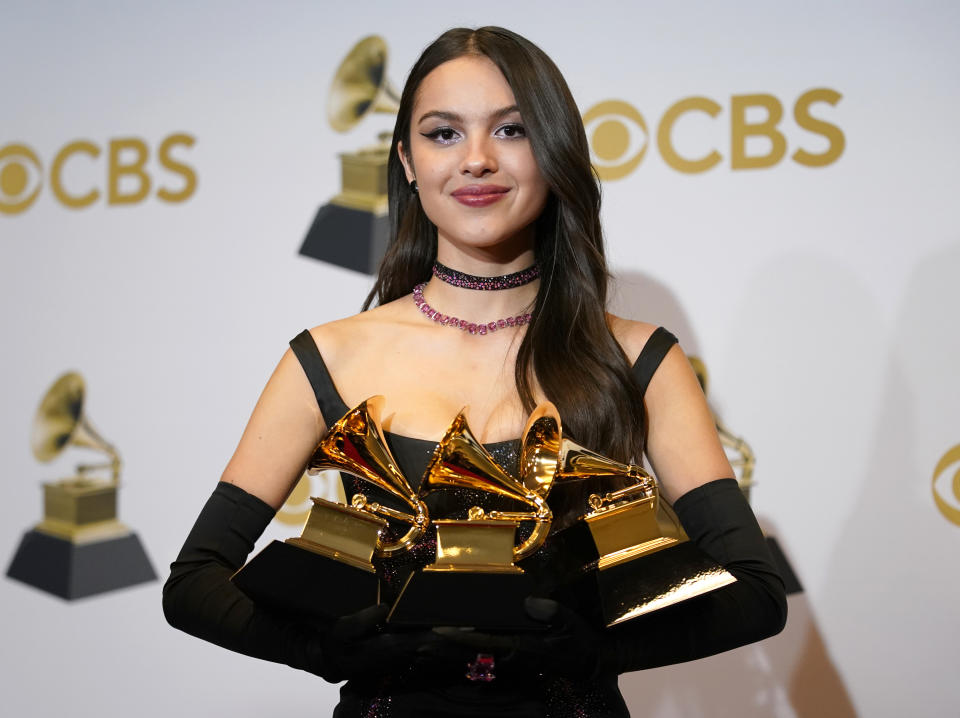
[682,442]
[692,467]
[284,429]
[198,597]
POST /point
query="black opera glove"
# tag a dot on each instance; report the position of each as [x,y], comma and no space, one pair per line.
[361,646]
[200,599]
[568,647]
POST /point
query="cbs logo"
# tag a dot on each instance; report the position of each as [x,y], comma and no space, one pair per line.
[72,171]
[617,150]
[946,485]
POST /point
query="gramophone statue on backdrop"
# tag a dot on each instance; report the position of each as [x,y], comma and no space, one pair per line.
[352,230]
[80,548]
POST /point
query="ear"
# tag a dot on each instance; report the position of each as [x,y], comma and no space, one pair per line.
[405,161]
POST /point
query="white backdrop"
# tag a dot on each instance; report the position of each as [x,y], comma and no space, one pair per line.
[823,299]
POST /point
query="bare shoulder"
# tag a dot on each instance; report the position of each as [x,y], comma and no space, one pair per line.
[336,338]
[630,334]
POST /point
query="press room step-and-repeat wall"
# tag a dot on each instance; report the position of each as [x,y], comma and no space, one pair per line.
[780,189]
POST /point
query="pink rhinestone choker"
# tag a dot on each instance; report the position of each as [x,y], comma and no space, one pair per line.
[471,327]
[472,281]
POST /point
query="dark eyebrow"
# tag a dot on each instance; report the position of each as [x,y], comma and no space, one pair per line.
[454,117]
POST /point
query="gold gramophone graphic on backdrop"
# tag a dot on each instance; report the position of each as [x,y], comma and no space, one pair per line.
[644,560]
[474,580]
[352,230]
[80,547]
[327,571]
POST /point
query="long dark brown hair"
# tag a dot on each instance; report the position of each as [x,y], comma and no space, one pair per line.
[568,346]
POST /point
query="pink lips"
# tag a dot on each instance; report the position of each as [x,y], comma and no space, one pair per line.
[480,195]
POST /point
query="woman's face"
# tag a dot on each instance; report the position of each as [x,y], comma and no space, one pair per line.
[469,153]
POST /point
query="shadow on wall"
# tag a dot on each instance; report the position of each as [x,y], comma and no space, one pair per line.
[634,295]
[790,675]
[889,568]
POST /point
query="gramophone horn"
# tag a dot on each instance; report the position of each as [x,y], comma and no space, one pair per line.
[540,449]
[546,456]
[355,445]
[60,421]
[360,85]
[460,461]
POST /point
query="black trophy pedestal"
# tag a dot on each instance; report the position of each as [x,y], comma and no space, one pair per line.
[462,598]
[69,570]
[351,238]
[295,580]
[657,580]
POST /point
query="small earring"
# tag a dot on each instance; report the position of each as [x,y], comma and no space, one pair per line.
[413,187]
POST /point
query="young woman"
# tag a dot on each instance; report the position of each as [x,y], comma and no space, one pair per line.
[492,295]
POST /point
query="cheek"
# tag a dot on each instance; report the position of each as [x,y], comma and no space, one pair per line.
[537,190]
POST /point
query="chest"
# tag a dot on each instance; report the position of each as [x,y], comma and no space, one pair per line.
[424,389]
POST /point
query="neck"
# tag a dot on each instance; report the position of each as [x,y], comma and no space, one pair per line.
[480,306]
[504,257]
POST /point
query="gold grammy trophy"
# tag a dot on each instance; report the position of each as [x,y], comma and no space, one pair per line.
[474,580]
[327,571]
[352,229]
[80,548]
[643,559]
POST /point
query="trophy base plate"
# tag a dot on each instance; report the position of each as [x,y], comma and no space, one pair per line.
[75,570]
[480,600]
[655,581]
[286,577]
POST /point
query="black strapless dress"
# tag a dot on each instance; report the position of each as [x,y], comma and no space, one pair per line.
[407,691]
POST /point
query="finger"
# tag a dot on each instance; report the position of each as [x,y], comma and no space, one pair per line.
[477,640]
[543,609]
[361,623]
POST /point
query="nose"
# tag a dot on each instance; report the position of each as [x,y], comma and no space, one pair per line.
[479,157]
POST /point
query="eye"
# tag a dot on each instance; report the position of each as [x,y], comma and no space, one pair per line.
[442,135]
[20,178]
[618,138]
[512,131]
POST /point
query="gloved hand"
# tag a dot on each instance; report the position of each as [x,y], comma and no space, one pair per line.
[361,645]
[199,598]
[568,647]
